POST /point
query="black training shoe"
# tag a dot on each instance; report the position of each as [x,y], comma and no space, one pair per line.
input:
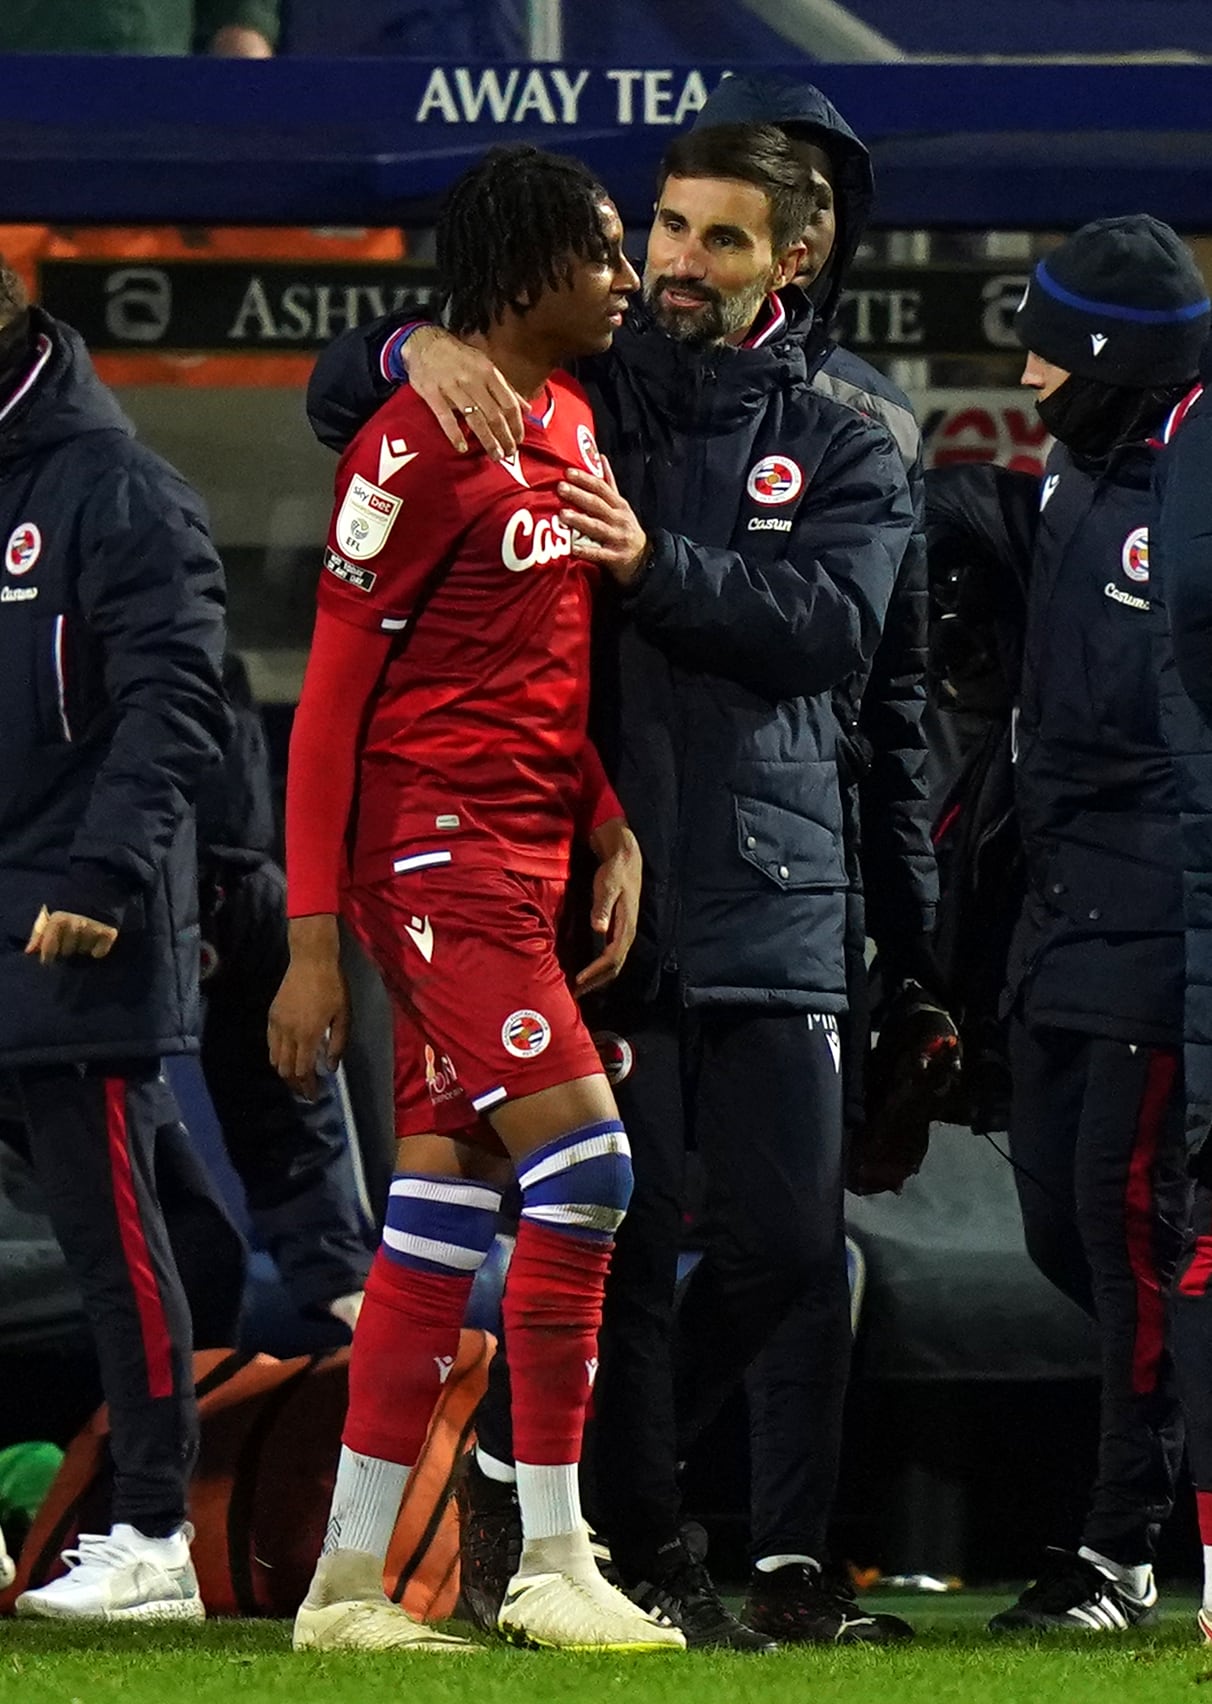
[679,1587]
[800,1604]
[490,1543]
[1076,1594]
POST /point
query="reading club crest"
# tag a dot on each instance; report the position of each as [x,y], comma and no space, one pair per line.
[589,451]
[775,479]
[525,1034]
[1135,555]
[23,548]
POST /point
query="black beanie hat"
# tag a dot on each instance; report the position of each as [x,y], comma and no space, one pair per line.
[1121,300]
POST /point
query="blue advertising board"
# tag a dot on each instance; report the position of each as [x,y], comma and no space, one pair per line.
[358,141]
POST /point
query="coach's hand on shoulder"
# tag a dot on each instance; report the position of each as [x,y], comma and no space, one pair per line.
[615,910]
[606,528]
[65,934]
[465,391]
[309,1019]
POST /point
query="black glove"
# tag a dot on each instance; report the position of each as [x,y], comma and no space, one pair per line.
[912,1068]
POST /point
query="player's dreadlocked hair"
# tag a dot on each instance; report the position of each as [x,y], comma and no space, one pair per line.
[509,229]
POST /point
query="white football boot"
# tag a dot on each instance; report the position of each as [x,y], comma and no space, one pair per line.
[346,1609]
[580,1611]
[122,1576]
[8,1568]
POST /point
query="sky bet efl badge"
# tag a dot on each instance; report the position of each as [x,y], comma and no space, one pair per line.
[367,516]
[1135,557]
[775,480]
[23,549]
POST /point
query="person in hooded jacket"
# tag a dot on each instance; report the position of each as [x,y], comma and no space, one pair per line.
[1113,322]
[766,502]
[111,636]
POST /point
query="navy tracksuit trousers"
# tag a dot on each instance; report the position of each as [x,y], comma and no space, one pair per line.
[1099,1127]
[91,1137]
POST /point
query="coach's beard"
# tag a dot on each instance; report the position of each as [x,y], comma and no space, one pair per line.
[719,317]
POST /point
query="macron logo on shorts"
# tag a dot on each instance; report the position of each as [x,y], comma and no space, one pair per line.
[420,933]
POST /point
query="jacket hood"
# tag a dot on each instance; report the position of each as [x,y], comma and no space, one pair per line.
[803,111]
[60,397]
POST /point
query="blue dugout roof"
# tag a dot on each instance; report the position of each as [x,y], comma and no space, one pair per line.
[362,141]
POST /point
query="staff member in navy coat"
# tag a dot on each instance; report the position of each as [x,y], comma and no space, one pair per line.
[1113,322]
[111,640]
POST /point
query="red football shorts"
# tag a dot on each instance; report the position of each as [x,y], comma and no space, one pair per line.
[482,1010]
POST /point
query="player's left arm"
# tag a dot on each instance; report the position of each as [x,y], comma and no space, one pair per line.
[309,1018]
[787,628]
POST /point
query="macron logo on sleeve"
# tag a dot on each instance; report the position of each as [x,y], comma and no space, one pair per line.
[394,454]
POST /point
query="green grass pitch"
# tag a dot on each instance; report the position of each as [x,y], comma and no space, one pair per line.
[951,1662]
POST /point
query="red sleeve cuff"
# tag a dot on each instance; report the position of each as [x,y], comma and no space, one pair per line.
[598,801]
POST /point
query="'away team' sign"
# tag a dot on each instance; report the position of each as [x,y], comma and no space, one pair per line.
[557,94]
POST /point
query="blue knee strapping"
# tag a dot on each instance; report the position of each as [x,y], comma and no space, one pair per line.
[580,1183]
[440,1224]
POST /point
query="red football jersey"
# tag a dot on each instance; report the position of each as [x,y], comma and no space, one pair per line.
[474,742]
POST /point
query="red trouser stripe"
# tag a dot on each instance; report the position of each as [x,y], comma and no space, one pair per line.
[1150,1301]
[153,1326]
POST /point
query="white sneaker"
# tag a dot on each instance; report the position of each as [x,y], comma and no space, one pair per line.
[8,1568]
[123,1577]
[580,1612]
[346,1609]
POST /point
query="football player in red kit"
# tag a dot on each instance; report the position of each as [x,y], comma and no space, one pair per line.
[439,769]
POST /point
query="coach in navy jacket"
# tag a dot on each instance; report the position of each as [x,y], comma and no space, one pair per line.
[796,1386]
[111,637]
[881,714]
